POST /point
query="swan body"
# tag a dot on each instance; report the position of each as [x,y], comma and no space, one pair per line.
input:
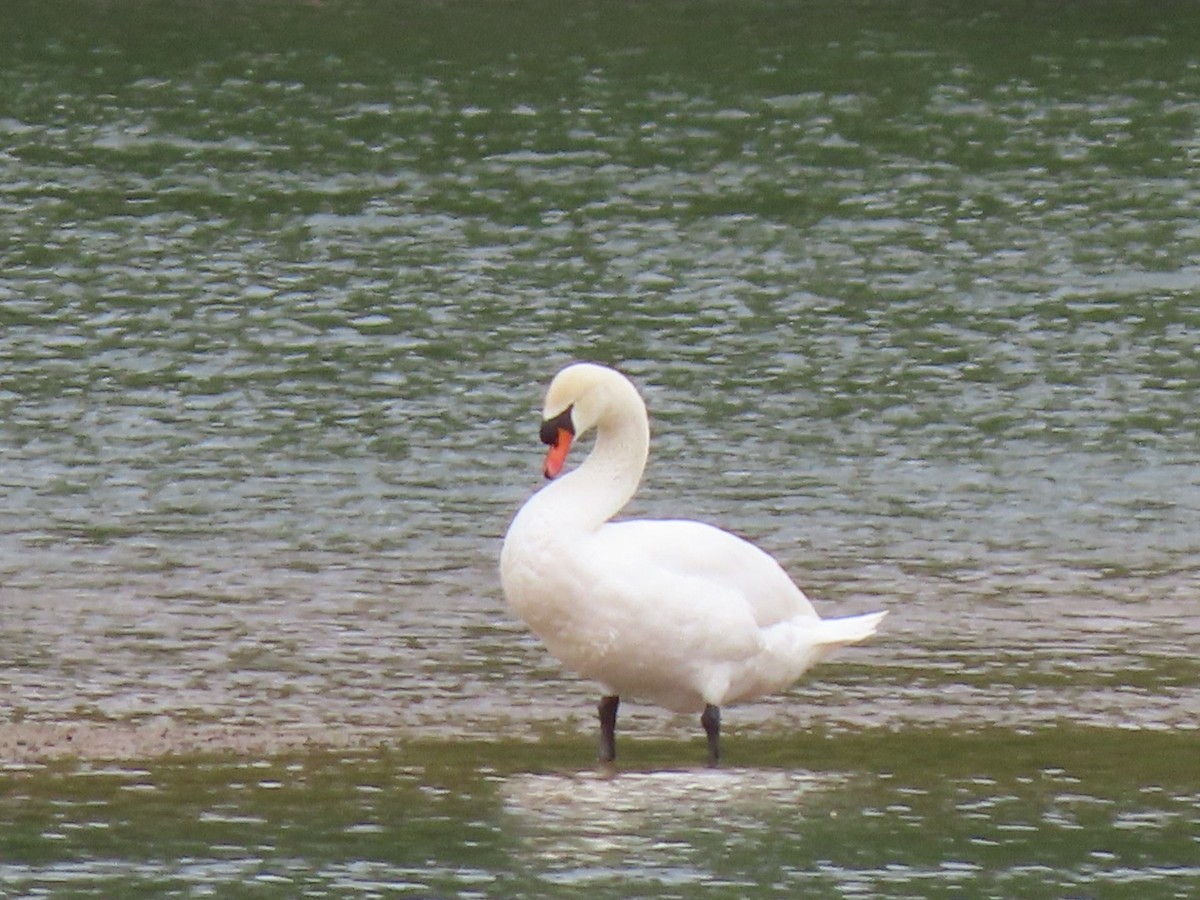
[676,612]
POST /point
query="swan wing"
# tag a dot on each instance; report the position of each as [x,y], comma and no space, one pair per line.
[701,561]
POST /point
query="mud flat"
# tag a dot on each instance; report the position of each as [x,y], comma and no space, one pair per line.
[26,742]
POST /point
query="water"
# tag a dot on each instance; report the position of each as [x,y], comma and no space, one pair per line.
[910,290]
[990,815]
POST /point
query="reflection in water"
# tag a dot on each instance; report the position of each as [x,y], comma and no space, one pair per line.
[579,829]
[1028,816]
[1028,832]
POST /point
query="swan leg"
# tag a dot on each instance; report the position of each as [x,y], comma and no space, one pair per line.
[608,727]
[711,720]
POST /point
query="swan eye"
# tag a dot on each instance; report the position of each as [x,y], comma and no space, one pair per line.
[561,422]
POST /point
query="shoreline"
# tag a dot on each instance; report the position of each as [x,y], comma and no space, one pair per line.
[24,743]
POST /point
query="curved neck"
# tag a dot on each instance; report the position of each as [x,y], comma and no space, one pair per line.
[599,489]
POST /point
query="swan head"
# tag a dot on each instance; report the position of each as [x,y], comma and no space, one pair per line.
[581,397]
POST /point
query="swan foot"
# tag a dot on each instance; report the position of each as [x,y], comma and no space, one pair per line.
[608,728]
[711,720]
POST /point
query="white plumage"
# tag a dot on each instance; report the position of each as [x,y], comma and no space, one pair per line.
[675,612]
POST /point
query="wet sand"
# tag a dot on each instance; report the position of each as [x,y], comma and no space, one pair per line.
[30,742]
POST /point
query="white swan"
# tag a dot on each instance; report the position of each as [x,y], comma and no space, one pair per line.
[675,612]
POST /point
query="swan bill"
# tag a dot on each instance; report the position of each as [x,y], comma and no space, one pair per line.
[558,432]
[556,456]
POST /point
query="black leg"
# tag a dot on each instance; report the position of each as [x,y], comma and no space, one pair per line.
[711,720]
[608,727]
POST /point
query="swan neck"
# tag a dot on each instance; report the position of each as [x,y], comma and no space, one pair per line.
[609,477]
[618,460]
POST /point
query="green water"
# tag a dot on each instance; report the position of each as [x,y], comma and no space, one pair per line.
[910,288]
[988,815]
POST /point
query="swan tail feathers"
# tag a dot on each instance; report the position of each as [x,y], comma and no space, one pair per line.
[848,630]
[793,646]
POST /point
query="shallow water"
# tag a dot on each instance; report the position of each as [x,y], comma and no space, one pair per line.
[910,290]
[947,815]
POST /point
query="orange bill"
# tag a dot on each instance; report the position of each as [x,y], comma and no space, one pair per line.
[556,456]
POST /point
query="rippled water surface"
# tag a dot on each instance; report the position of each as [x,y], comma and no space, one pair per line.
[912,293]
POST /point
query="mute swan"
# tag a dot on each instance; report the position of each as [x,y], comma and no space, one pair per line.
[675,612]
